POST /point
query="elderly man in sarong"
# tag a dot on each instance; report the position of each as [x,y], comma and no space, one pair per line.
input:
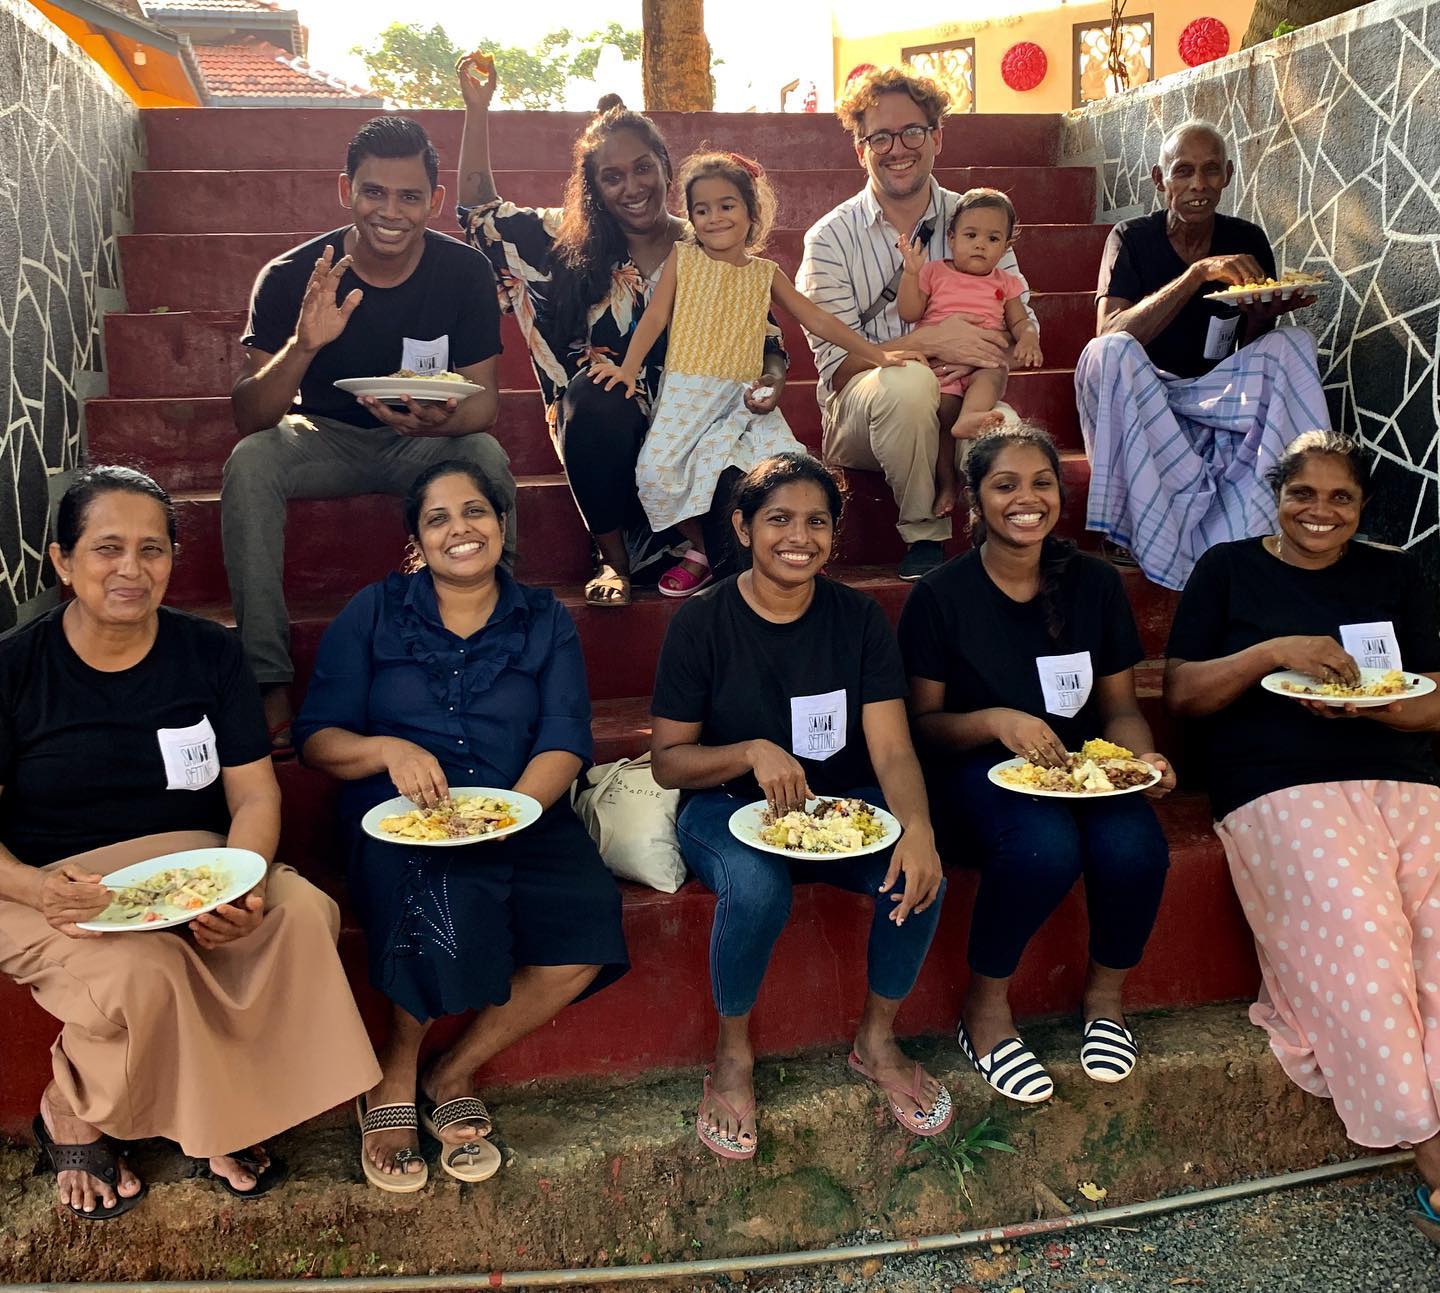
[1186,402]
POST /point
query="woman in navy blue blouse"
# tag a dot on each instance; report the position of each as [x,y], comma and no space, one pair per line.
[458,675]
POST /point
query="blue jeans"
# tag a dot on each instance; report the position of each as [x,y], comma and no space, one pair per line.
[753,888]
[1030,853]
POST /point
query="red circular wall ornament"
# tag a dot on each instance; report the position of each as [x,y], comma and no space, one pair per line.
[1024,65]
[859,70]
[1203,41]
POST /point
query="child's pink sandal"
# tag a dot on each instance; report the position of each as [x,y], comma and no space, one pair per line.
[680,582]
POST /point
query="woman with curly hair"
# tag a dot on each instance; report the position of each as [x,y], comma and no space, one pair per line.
[578,278]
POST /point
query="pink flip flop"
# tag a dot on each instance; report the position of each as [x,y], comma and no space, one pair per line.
[679,582]
[931,1124]
[724,1146]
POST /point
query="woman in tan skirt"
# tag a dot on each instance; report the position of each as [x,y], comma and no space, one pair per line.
[129,731]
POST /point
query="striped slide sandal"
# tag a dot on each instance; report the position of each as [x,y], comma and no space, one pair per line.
[1011,1069]
[1107,1051]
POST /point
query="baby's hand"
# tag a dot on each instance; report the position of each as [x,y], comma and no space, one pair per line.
[913,256]
[603,370]
[1027,351]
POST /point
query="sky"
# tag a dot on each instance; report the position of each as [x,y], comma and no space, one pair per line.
[798,43]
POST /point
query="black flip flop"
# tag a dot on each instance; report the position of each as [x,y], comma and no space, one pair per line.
[276,1172]
[100,1159]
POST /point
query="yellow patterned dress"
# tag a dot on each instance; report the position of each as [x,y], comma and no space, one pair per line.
[701,425]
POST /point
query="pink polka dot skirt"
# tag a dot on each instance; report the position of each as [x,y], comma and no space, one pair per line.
[1340,882]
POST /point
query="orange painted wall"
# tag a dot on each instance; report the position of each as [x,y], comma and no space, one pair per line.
[1053,31]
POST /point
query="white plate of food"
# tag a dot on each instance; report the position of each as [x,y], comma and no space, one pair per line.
[1377,687]
[393,389]
[1099,770]
[826,828]
[169,890]
[1289,283]
[472,815]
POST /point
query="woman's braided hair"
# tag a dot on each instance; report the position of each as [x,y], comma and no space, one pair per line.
[1055,554]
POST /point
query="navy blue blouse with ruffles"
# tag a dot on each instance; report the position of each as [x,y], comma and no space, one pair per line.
[484,706]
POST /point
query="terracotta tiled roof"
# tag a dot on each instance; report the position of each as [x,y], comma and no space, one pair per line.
[256,69]
[212,6]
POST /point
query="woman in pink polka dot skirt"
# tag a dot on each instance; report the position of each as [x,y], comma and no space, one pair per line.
[1330,817]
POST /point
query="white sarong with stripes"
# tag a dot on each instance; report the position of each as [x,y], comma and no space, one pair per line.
[1178,464]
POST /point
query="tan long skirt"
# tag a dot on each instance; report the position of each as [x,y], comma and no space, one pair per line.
[216,1050]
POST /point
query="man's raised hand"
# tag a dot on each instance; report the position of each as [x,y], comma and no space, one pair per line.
[322,316]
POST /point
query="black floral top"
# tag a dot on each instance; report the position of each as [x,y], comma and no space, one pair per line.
[520,242]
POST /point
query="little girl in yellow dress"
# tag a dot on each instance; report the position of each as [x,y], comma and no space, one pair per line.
[714,294]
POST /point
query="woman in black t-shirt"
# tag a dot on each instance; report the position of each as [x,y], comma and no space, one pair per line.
[128,732]
[1330,817]
[782,684]
[1024,646]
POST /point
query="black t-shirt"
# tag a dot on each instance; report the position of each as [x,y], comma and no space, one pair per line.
[447,305]
[1239,595]
[1139,261]
[992,652]
[89,758]
[801,685]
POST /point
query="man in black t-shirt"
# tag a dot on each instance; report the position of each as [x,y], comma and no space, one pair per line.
[383,294]
[1186,402]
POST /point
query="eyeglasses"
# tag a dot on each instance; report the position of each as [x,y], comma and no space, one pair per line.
[882,141]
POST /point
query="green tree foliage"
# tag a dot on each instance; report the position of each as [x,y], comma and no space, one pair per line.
[414,67]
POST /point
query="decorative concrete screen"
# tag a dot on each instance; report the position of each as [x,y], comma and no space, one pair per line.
[1335,136]
[68,141]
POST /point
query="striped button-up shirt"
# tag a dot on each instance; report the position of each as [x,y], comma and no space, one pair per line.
[850,257]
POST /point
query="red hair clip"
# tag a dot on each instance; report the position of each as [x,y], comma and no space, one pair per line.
[748,164]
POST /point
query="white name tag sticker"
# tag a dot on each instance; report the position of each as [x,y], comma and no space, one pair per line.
[426,357]
[191,760]
[1372,646]
[1065,681]
[1220,337]
[817,725]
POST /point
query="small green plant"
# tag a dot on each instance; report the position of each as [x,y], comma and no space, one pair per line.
[1284,29]
[963,1152]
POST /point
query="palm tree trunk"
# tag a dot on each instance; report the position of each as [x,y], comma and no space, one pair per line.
[675,60]
[1269,14]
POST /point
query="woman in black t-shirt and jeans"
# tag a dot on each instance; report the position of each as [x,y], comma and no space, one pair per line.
[1025,646]
[782,684]
[1330,817]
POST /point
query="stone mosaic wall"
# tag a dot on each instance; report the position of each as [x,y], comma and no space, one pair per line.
[1335,135]
[68,141]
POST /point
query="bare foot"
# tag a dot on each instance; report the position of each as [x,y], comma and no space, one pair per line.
[382,1146]
[80,1189]
[442,1085]
[242,1178]
[988,1028]
[732,1079]
[969,425]
[1103,1005]
[278,714]
[891,1067]
[945,499]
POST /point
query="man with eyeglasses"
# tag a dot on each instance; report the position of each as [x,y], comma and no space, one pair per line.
[888,419]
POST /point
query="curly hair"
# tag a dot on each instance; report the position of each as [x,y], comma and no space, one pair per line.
[590,242]
[863,93]
[750,183]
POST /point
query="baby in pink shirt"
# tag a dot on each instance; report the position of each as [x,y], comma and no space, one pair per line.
[980,231]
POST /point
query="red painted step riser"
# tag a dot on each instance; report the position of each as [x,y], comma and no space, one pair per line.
[216,271]
[184,442]
[660,1014]
[281,138]
[224,201]
[198,353]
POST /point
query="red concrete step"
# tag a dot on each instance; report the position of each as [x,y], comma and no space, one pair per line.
[263,201]
[198,352]
[659,1015]
[184,442]
[214,271]
[281,138]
